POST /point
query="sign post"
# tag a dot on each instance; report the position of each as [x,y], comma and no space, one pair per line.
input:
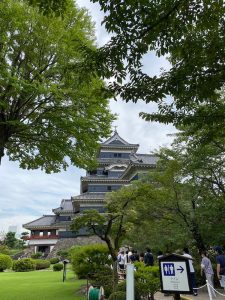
[130,282]
[65,262]
[175,275]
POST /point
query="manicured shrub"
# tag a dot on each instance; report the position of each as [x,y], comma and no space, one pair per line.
[147,280]
[36,255]
[89,259]
[24,265]
[118,296]
[5,262]
[58,267]
[4,250]
[42,264]
[54,260]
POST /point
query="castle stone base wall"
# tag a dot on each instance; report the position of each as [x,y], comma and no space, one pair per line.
[69,242]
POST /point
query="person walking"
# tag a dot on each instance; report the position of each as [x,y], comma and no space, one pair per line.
[121,260]
[192,270]
[148,258]
[220,266]
[206,268]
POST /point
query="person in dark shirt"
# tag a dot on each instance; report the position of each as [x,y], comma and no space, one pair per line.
[148,258]
[220,267]
[132,257]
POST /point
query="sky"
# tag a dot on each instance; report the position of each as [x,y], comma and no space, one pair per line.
[27,195]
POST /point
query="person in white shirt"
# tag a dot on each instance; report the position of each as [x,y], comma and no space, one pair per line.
[121,260]
[206,267]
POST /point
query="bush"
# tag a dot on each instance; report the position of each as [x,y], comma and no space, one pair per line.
[64,254]
[5,262]
[57,267]
[42,264]
[104,277]
[118,296]
[89,259]
[147,280]
[54,260]
[36,255]
[4,250]
[24,265]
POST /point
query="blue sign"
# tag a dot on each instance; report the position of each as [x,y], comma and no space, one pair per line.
[168,269]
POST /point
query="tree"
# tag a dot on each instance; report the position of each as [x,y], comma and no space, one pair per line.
[51,7]
[183,200]
[189,33]
[53,106]
[10,239]
[113,225]
[24,235]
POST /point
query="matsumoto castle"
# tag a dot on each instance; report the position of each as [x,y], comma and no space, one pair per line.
[118,164]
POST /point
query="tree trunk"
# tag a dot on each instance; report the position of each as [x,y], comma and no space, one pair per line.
[197,236]
[2,143]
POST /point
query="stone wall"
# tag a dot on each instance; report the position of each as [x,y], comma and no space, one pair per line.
[69,242]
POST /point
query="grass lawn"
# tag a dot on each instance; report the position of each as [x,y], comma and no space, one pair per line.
[39,285]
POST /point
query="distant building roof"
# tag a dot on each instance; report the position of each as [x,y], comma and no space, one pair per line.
[44,221]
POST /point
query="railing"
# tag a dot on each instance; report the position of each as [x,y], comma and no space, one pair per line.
[41,237]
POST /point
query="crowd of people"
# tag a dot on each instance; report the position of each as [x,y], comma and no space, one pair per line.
[132,256]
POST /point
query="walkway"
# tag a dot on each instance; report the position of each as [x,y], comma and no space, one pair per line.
[202,295]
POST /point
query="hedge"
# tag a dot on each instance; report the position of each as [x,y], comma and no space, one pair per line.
[54,260]
[24,265]
[42,264]
[89,259]
[5,262]
[58,267]
[118,296]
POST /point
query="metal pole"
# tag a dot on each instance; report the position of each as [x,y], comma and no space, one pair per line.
[64,272]
[209,290]
[176,296]
[130,282]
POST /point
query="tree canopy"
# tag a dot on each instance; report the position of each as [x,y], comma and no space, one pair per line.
[113,225]
[51,7]
[189,33]
[53,106]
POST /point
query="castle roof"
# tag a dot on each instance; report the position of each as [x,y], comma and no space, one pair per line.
[44,222]
[141,159]
[103,179]
[137,163]
[115,141]
[86,197]
[66,206]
